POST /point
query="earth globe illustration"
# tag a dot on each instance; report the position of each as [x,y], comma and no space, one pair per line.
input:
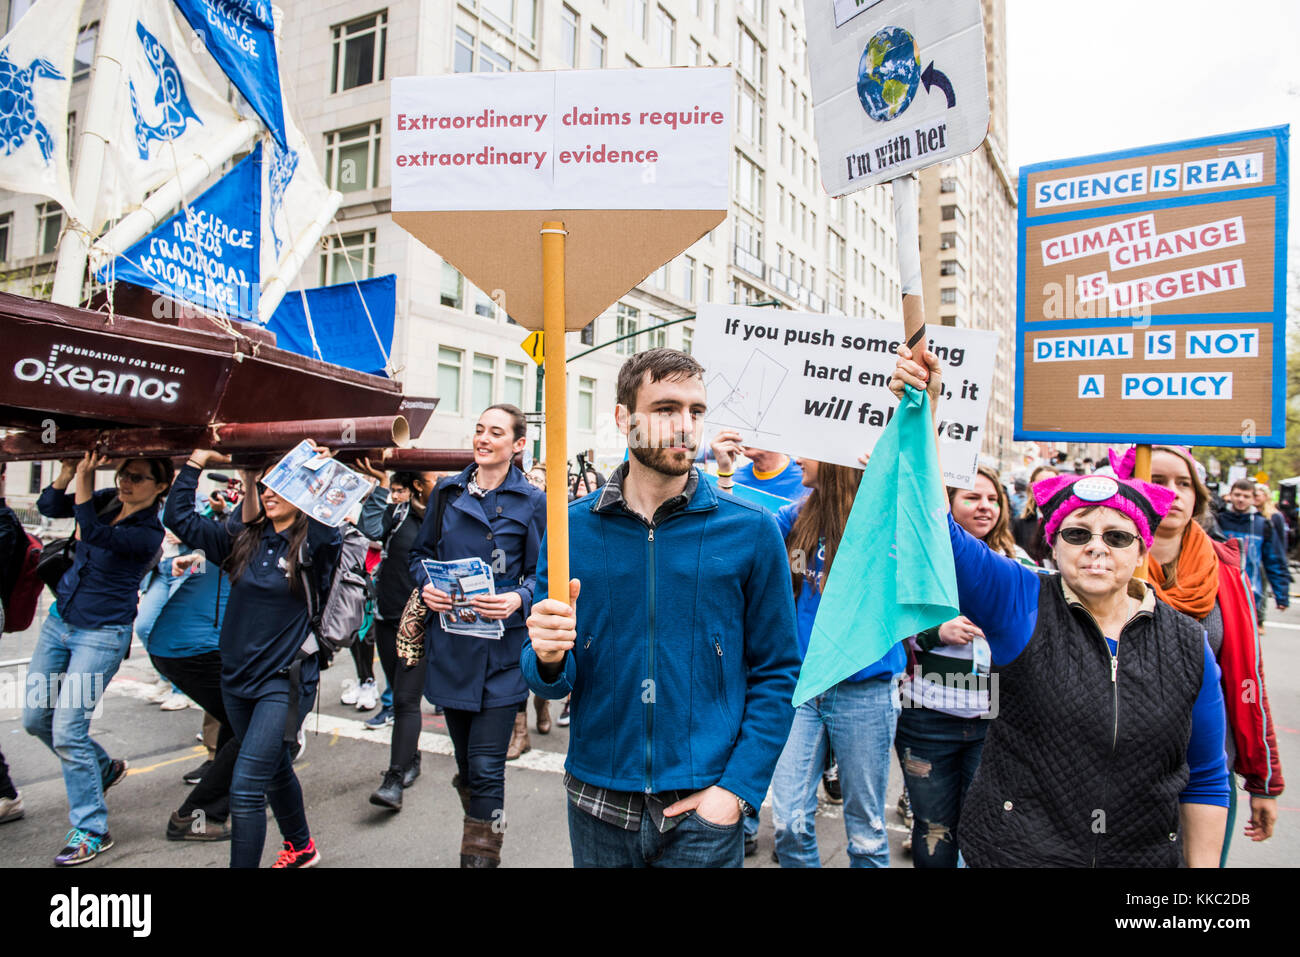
[888,73]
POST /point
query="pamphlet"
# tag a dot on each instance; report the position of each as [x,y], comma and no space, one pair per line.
[462,579]
[320,486]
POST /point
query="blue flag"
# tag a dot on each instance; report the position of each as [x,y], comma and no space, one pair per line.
[338,318]
[208,252]
[893,573]
[240,35]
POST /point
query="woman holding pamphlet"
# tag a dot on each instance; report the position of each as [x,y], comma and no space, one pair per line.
[1107,750]
[269,661]
[476,563]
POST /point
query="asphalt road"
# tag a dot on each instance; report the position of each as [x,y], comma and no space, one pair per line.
[344,762]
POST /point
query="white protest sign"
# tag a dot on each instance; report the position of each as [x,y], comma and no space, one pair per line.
[816,386]
[576,139]
[897,86]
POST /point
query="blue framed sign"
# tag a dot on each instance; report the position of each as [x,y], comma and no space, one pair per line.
[1151,301]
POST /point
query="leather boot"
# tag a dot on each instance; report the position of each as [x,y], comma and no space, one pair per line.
[480,844]
[543,708]
[389,793]
[463,791]
[519,742]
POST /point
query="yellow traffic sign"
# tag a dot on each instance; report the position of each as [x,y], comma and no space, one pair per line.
[533,346]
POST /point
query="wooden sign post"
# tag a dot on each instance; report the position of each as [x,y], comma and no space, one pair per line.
[557,418]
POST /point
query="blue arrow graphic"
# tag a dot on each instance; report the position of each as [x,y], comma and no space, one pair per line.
[932,77]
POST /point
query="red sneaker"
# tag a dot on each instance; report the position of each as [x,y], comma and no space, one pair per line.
[303,857]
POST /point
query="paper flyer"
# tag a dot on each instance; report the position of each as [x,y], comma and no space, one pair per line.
[463,579]
[320,486]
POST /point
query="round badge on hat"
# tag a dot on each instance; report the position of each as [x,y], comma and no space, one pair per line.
[1096,488]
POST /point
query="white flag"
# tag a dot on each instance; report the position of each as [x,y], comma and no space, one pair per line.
[167,111]
[293,193]
[35,79]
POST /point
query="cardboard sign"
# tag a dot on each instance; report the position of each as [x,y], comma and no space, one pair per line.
[636,164]
[816,385]
[897,86]
[1152,299]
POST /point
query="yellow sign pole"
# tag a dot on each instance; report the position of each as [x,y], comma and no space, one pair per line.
[1142,470]
[557,458]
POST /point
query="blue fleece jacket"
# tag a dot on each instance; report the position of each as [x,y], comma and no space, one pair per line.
[686,659]
[1260,551]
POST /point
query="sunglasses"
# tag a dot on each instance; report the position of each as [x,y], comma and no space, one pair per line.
[134,478]
[1114,537]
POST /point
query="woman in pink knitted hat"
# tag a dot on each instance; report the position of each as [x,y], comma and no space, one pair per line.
[1106,748]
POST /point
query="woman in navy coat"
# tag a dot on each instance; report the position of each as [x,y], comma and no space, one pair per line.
[489,511]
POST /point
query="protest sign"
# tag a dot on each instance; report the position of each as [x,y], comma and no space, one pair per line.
[318,485]
[634,162]
[897,86]
[816,385]
[1152,299]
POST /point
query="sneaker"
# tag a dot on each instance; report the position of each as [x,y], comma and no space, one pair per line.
[11,809]
[905,808]
[116,772]
[368,696]
[389,793]
[160,690]
[296,751]
[304,857]
[563,719]
[175,701]
[412,771]
[350,690]
[194,777]
[194,827]
[82,846]
[831,784]
[382,720]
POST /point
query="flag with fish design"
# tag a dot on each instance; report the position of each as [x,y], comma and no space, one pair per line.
[36,63]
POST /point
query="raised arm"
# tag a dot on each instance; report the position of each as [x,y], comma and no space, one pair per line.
[56,500]
[181,513]
[997,593]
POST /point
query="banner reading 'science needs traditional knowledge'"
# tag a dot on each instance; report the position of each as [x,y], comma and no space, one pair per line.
[1152,300]
[816,385]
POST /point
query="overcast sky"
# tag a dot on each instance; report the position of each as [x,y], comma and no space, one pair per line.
[1111,74]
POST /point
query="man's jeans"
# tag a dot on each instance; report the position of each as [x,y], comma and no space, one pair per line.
[264,773]
[694,842]
[857,720]
[69,671]
[939,754]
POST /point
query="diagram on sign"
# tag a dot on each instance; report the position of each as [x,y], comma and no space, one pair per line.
[750,399]
[889,73]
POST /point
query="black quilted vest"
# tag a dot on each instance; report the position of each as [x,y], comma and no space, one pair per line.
[1077,770]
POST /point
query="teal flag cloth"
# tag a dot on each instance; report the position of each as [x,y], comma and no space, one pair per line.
[893,574]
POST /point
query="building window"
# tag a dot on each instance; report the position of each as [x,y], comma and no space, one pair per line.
[749,183]
[751,59]
[948,184]
[34,480]
[512,17]
[697,53]
[359,48]
[688,279]
[953,213]
[463,57]
[452,292]
[49,224]
[449,361]
[688,338]
[6,227]
[586,404]
[658,335]
[351,256]
[483,304]
[667,35]
[597,50]
[84,55]
[512,389]
[483,382]
[749,113]
[636,16]
[755,8]
[627,322]
[706,294]
[588,334]
[948,297]
[568,35]
[352,158]
[948,267]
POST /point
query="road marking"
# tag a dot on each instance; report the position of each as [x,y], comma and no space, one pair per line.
[187,756]
[1281,624]
[430,742]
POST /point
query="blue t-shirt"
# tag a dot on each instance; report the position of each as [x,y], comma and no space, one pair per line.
[787,483]
[805,607]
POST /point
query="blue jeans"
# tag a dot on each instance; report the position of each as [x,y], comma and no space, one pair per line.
[694,842]
[69,671]
[856,719]
[939,754]
[264,773]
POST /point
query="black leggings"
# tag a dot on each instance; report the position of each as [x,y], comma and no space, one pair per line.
[385,632]
[199,677]
[408,685]
[481,739]
[363,654]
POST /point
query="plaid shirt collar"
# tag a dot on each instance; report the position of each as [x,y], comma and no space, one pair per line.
[610,497]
